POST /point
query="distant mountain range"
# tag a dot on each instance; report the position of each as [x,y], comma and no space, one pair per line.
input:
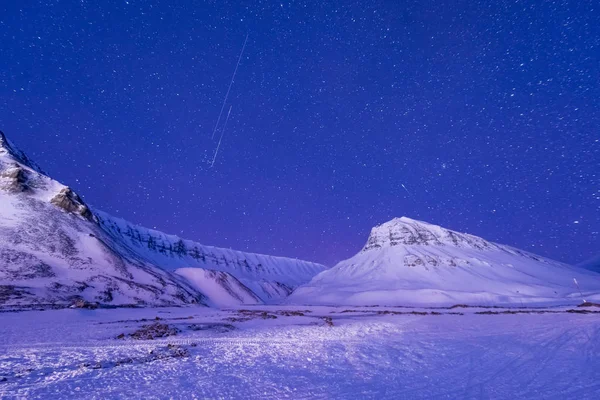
[56,250]
[408,262]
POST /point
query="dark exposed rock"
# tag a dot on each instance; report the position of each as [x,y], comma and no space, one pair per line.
[258,314]
[70,201]
[154,331]
[583,311]
[292,313]
[388,312]
[247,315]
[18,265]
[588,304]
[81,303]
[160,353]
[526,312]
[11,292]
[220,328]
[459,306]
[15,179]
[412,260]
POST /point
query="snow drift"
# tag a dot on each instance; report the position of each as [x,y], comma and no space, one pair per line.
[408,262]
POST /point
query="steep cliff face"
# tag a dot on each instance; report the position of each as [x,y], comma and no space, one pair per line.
[177,252]
[270,278]
[55,249]
[409,262]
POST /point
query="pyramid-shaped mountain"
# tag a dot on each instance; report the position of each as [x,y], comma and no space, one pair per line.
[409,262]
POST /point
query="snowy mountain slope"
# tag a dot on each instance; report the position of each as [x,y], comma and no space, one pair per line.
[229,291]
[408,262]
[55,250]
[52,251]
[271,278]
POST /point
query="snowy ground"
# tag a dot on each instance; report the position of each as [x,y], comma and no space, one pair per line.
[365,354]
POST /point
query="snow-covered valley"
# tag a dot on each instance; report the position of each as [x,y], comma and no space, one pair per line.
[310,352]
[92,306]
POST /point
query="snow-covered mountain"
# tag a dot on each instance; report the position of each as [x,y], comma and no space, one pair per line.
[55,249]
[408,262]
[269,278]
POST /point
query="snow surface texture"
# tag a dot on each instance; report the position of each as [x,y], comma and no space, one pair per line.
[408,262]
[54,250]
[362,354]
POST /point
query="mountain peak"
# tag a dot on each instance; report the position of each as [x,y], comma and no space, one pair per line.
[7,148]
[20,174]
[410,232]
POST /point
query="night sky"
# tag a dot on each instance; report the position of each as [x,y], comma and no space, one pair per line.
[480,116]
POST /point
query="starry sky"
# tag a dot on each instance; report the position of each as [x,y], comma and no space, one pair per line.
[480,116]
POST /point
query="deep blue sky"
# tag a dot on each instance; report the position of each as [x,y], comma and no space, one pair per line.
[487,112]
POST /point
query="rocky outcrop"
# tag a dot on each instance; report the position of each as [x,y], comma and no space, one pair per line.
[14,179]
[70,201]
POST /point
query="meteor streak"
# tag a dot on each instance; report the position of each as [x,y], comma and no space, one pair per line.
[229,89]
[221,138]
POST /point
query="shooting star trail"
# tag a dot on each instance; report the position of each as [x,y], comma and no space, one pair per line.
[229,89]
[221,138]
[405,189]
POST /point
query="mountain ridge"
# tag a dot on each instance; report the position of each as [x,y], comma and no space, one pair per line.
[55,249]
[8,148]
